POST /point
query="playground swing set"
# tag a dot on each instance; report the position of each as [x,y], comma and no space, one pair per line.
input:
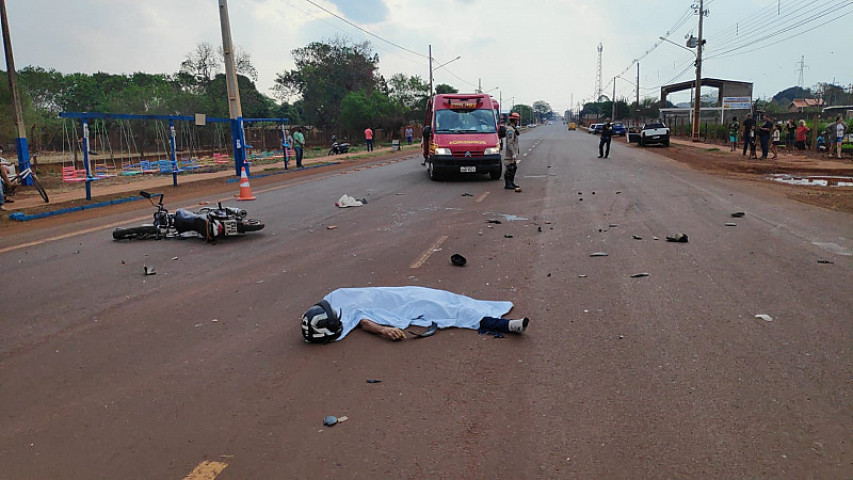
[95,141]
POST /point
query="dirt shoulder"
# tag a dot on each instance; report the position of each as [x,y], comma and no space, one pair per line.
[718,160]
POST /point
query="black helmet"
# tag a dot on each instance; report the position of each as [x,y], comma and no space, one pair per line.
[320,324]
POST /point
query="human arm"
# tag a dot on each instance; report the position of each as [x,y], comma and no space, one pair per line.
[382,330]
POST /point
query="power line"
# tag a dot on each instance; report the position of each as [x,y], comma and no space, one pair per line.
[389,42]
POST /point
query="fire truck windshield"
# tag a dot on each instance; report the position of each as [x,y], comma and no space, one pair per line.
[465,121]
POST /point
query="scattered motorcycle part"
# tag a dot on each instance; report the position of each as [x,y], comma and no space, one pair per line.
[458,260]
[638,275]
[598,254]
[428,333]
[148,270]
[330,421]
[373,380]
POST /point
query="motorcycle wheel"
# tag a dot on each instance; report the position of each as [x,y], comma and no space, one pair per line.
[331,152]
[140,233]
[250,225]
[40,189]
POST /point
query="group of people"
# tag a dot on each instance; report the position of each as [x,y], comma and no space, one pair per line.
[769,136]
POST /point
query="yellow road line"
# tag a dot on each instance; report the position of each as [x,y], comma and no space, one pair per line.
[429,251]
[206,471]
[482,197]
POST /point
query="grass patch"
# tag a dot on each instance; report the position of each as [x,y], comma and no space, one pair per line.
[715,149]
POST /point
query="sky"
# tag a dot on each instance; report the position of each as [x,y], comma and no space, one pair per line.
[519,51]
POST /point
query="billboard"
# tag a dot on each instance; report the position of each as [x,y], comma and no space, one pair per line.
[737,103]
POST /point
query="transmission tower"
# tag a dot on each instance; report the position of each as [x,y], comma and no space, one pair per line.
[802,65]
[598,73]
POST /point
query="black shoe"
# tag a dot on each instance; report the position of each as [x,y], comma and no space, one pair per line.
[605,156]
[509,187]
[600,156]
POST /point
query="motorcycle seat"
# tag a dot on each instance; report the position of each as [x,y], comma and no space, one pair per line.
[186,221]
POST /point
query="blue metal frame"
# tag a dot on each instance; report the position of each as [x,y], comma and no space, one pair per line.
[237,134]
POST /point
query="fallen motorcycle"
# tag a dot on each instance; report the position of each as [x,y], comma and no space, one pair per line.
[338,148]
[208,223]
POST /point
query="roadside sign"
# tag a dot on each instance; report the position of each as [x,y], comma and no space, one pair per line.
[737,103]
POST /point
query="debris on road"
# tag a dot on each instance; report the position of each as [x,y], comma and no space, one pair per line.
[598,254]
[731,224]
[638,275]
[348,201]
[612,225]
[466,194]
[174,258]
[458,260]
[581,276]
[433,327]
[496,222]
[825,261]
[636,237]
[124,262]
[330,421]
[540,229]
[148,270]
[331,227]
[678,237]
[765,317]
[655,238]
[373,380]
[507,235]
[738,214]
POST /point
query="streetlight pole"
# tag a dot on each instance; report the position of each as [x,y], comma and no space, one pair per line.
[698,100]
[436,68]
[234,108]
[20,127]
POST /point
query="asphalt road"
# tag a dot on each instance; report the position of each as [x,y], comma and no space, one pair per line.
[200,371]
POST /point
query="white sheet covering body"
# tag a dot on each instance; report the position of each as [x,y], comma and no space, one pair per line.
[404,306]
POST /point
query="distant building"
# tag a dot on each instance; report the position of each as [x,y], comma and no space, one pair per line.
[802,104]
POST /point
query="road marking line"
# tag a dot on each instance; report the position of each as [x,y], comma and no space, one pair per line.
[206,471]
[482,197]
[428,252]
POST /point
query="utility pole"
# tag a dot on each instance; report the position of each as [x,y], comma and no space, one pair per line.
[21,129]
[698,97]
[802,64]
[430,71]
[637,111]
[598,73]
[234,109]
[479,85]
[613,102]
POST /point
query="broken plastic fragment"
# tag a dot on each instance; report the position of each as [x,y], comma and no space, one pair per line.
[636,237]
[497,222]
[738,214]
[678,237]
[373,380]
[825,261]
[148,270]
[638,275]
[731,224]
[330,421]
[765,317]
[598,254]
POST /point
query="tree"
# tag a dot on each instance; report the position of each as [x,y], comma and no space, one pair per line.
[411,93]
[365,108]
[242,62]
[201,64]
[325,73]
[443,88]
[525,111]
[542,109]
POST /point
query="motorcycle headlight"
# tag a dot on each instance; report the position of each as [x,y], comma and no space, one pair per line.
[442,151]
[492,151]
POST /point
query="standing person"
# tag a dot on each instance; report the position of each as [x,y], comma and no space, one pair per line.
[511,152]
[802,131]
[409,135]
[840,132]
[368,138]
[764,132]
[790,135]
[606,135]
[734,127]
[776,136]
[748,137]
[298,146]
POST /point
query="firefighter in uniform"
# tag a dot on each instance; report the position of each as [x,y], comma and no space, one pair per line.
[511,152]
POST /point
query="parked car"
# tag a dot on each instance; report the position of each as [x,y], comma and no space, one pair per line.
[619,129]
[595,127]
[654,133]
[633,135]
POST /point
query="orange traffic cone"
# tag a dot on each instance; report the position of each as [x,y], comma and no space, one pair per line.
[245,189]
